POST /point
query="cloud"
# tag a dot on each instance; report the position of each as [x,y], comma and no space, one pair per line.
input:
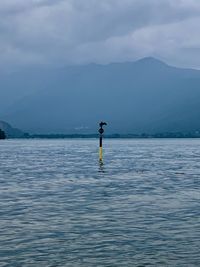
[61,32]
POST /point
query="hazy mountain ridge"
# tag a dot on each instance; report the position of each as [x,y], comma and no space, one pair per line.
[10,131]
[142,96]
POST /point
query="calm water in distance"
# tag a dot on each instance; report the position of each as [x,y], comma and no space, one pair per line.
[58,207]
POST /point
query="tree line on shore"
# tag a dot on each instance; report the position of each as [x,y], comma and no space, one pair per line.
[143,135]
[2,134]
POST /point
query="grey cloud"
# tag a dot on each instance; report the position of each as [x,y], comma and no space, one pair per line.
[75,31]
[12,7]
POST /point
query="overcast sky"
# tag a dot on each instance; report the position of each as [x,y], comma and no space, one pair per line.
[63,32]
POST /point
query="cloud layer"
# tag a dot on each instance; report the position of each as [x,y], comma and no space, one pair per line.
[61,32]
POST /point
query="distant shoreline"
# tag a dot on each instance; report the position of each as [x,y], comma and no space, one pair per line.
[112,136]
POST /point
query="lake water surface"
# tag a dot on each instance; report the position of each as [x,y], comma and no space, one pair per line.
[58,207]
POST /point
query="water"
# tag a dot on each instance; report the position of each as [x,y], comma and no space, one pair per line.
[58,207]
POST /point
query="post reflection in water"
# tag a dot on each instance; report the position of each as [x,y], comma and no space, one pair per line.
[101,167]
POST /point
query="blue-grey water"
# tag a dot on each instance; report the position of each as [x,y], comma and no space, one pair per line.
[58,207]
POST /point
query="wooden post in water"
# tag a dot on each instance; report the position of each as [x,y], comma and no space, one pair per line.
[101,131]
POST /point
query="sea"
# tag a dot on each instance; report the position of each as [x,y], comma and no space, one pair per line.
[60,207]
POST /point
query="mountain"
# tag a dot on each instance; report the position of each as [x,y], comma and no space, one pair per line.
[133,97]
[10,131]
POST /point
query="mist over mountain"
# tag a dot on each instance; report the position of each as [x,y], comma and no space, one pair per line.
[133,97]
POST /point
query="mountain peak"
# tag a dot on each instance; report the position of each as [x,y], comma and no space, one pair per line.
[151,61]
[141,96]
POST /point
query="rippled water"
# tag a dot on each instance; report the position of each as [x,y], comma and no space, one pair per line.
[58,207]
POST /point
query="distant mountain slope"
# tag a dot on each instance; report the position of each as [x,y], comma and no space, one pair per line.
[10,131]
[142,96]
